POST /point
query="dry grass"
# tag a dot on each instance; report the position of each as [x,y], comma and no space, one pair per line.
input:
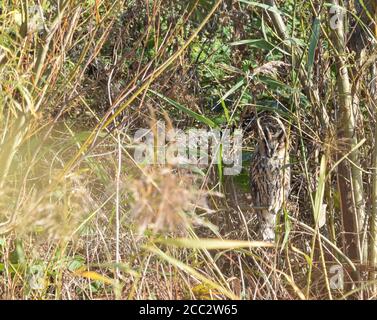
[81,219]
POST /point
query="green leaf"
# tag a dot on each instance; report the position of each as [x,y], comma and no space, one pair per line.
[17,256]
[231,91]
[76,263]
[226,111]
[313,43]
[255,43]
[186,110]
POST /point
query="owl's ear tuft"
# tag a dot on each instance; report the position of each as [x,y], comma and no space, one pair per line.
[267,134]
[261,133]
[282,139]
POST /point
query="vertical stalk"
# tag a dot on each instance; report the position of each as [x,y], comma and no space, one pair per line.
[372,240]
[349,172]
[372,219]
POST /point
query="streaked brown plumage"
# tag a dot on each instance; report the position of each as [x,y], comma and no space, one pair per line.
[269,174]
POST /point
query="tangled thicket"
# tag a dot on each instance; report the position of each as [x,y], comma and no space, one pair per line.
[81,219]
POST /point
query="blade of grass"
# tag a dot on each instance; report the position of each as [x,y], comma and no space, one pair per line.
[214,244]
[186,110]
[193,272]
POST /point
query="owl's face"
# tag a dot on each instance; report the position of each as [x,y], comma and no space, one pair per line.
[272,138]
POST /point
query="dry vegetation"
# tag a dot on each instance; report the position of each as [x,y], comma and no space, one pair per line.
[81,219]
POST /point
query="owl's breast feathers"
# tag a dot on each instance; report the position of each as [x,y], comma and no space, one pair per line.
[269,183]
